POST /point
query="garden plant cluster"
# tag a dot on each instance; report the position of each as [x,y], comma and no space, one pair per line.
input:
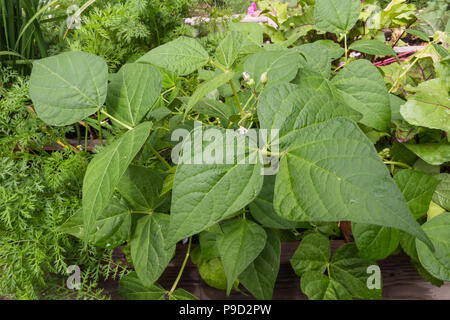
[125,132]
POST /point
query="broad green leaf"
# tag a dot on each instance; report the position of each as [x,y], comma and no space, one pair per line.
[362,87]
[208,245]
[112,227]
[68,87]
[352,272]
[373,47]
[141,188]
[433,153]
[229,49]
[313,254]
[148,247]
[133,92]
[204,194]
[262,208]
[429,107]
[417,188]
[318,286]
[437,263]
[106,169]
[213,274]
[336,16]
[206,87]
[396,103]
[315,57]
[131,288]
[375,242]
[281,66]
[242,242]
[181,294]
[336,154]
[181,56]
[253,36]
[260,276]
[442,194]
[335,51]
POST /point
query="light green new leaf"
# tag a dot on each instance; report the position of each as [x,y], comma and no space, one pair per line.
[417,188]
[148,247]
[433,153]
[375,242]
[336,154]
[206,87]
[242,242]
[262,208]
[210,191]
[106,169]
[373,47]
[318,286]
[281,66]
[229,48]
[437,263]
[68,87]
[336,16]
[181,56]
[133,92]
[313,254]
[141,188]
[131,288]
[260,276]
[362,87]
[112,227]
[442,194]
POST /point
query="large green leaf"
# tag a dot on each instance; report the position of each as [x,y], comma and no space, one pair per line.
[182,56]
[336,16]
[204,194]
[281,66]
[68,87]
[260,276]
[242,242]
[437,263]
[148,247]
[362,87]
[133,92]
[229,49]
[375,242]
[262,208]
[331,172]
[417,188]
[315,57]
[442,194]
[112,227]
[106,169]
[141,187]
[313,254]
[433,153]
[318,286]
[374,47]
[429,107]
[131,288]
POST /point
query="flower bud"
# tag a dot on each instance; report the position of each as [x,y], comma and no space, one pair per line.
[246,75]
[263,78]
[250,83]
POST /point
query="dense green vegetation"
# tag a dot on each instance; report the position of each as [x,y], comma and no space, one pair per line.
[355,137]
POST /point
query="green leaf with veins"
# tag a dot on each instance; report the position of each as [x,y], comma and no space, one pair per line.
[442,194]
[241,243]
[375,242]
[373,47]
[229,49]
[313,254]
[336,16]
[131,288]
[433,153]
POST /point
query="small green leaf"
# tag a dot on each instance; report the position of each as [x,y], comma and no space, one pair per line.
[106,169]
[253,36]
[373,47]
[318,286]
[229,49]
[433,153]
[242,242]
[141,187]
[437,263]
[375,242]
[336,16]
[181,294]
[442,194]
[213,274]
[148,247]
[315,57]
[181,56]
[417,188]
[421,35]
[335,51]
[260,276]
[131,288]
[133,92]
[313,254]
[68,87]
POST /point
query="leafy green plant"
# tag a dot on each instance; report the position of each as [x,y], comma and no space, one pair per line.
[323,122]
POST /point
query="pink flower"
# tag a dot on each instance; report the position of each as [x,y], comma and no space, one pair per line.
[252,9]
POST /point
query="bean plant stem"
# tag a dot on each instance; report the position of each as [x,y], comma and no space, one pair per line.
[241,111]
[116,120]
[160,157]
[400,164]
[346,48]
[182,268]
[99,127]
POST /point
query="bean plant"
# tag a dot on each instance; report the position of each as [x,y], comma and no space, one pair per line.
[316,167]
